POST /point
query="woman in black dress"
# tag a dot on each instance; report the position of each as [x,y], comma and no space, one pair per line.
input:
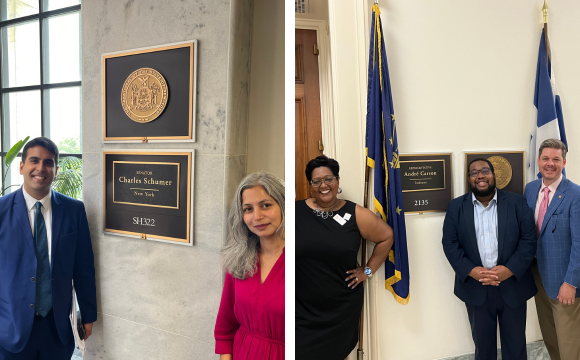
[328,233]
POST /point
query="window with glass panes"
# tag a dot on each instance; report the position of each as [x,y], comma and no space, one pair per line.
[40,76]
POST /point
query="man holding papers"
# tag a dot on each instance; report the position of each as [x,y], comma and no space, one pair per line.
[45,245]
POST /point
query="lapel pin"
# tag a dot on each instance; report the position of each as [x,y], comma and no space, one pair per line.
[559,197]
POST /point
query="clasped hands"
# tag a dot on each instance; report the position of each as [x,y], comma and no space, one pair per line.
[493,276]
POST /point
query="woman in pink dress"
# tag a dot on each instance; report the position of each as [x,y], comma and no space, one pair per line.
[250,321]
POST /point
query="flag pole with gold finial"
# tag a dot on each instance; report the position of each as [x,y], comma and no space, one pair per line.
[359,351]
[545,12]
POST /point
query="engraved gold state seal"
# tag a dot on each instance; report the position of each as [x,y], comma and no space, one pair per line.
[144,95]
[503,171]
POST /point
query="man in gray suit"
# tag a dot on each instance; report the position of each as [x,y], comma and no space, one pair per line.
[555,201]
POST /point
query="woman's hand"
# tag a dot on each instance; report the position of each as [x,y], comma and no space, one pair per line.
[356,276]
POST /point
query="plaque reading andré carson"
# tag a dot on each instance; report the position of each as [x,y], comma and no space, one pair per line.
[426,182]
[149,194]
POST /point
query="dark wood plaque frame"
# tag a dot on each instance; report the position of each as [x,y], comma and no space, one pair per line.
[516,160]
[169,221]
[437,198]
[177,62]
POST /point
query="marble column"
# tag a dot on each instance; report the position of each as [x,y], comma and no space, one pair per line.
[159,300]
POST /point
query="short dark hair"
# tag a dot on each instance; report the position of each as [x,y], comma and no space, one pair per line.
[553,144]
[321,161]
[45,143]
[481,159]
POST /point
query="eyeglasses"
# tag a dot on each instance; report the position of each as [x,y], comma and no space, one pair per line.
[329,180]
[485,171]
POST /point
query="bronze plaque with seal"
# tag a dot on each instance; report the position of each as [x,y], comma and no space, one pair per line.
[508,167]
[426,182]
[149,94]
[149,195]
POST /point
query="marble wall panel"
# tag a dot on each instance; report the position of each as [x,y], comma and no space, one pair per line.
[209,197]
[116,339]
[159,300]
[110,26]
[169,287]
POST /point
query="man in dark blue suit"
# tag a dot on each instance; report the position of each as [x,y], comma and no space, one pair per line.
[45,246]
[489,239]
[555,201]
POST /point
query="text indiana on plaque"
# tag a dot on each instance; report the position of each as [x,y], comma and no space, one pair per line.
[144,95]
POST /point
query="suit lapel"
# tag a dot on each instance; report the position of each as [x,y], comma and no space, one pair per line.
[57,216]
[470,223]
[532,193]
[502,207]
[22,214]
[556,201]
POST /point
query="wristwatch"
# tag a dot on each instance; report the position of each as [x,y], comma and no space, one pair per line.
[369,271]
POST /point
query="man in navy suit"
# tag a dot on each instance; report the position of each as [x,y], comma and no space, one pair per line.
[489,239]
[556,203]
[45,246]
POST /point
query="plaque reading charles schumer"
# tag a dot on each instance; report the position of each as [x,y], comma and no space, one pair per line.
[149,195]
[146,184]
[426,182]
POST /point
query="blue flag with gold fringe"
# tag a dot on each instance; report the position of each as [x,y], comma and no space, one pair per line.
[383,156]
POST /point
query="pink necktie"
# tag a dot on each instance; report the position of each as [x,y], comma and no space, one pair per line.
[542,211]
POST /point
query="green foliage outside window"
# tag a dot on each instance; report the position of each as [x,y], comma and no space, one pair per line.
[69,146]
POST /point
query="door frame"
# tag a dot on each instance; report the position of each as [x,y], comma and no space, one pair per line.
[325,82]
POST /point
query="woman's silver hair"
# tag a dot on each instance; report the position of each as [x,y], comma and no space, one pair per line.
[240,255]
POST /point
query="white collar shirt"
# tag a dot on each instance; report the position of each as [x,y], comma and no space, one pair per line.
[46,211]
[485,220]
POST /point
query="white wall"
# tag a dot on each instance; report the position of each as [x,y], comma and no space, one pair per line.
[266,119]
[462,76]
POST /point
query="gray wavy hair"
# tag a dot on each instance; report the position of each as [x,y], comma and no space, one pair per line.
[239,256]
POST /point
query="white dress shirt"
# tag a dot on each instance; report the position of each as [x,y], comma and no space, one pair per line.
[46,211]
[485,219]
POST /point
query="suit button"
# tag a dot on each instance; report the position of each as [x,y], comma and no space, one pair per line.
[32,279]
[32,306]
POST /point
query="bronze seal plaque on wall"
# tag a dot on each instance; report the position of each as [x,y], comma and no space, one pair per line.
[503,171]
[141,79]
[144,95]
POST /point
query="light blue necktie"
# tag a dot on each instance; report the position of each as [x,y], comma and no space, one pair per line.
[43,285]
